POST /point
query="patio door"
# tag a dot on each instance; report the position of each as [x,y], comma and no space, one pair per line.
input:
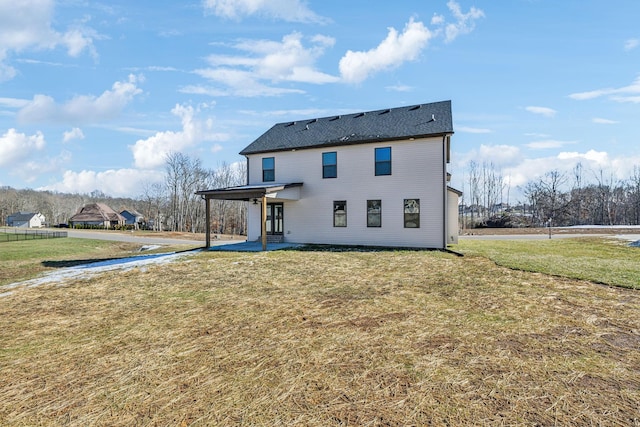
[275,223]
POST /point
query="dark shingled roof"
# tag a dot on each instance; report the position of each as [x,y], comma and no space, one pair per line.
[416,121]
[21,216]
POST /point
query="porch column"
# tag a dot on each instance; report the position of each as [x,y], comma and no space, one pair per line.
[207,203]
[264,222]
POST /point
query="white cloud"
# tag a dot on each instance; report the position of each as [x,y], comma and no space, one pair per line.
[395,49]
[519,171]
[437,20]
[250,90]
[7,72]
[630,93]
[602,121]
[631,44]
[399,88]
[16,147]
[593,157]
[75,133]
[548,143]
[467,129]
[13,102]
[27,24]
[288,60]
[84,108]
[465,21]
[286,10]
[544,111]
[32,169]
[114,182]
[152,152]
[300,113]
[501,155]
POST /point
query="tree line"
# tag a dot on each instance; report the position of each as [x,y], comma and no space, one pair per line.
[170,205]
[579,197]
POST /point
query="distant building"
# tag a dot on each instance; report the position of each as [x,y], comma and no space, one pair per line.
[96,215]
[133,217]
[26,220]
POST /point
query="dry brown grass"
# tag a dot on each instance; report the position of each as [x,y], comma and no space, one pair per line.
[319,338]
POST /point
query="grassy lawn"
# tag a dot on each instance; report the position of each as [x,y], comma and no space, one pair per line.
[600,260]
[321,339]
[27,259]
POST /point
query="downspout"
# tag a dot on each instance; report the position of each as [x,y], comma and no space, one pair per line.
[264,222]
[445,207]
[247,159]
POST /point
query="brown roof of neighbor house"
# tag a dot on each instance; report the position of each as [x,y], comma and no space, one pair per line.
[96,212]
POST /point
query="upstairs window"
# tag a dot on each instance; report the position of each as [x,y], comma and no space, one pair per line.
[411,213]
[330,165]
[374,213]
[268,169]
[383,161]
[340,213]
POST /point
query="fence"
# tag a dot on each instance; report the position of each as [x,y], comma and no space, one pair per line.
[15,234]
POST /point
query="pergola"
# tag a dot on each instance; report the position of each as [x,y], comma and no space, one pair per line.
[244,193]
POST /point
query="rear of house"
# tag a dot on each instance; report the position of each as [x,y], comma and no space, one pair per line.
[375,178]
[356,207]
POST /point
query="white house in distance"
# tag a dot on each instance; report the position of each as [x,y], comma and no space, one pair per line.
[376,178]
[26,220]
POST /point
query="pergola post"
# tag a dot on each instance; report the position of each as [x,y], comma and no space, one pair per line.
[207,203]
[264,222]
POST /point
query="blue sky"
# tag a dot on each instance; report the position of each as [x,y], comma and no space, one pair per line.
[94,94]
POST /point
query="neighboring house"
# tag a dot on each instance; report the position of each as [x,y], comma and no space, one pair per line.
[96,215]
[133,217]
[26,220]
[373,178]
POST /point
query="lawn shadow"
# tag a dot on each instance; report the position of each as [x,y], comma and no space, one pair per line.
[75,262]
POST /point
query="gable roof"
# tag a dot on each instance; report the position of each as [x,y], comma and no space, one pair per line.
[21,216]
[416,121]
[131,212]
[96,212]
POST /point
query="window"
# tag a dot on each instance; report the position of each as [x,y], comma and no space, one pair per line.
[411,213]
[330,164]
[340,213]
[374,213]
[383,161]
[268,169]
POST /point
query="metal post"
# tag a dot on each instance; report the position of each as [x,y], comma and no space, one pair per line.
[264,222]
[207,203]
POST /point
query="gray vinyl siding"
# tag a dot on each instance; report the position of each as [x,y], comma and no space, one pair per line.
[417,172]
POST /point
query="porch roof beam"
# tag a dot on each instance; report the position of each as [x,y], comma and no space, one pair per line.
[246,192]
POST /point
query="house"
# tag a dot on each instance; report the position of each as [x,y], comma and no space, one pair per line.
[372,178]
[96,215]
[26,220]
[133,217]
